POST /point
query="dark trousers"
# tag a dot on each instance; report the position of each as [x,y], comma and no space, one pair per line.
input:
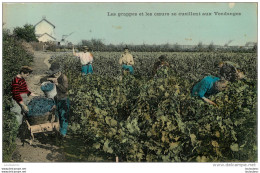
[62,112]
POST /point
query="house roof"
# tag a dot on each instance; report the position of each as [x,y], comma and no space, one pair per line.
[46,21]
[40,35]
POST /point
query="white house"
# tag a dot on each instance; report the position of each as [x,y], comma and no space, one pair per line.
[44,31]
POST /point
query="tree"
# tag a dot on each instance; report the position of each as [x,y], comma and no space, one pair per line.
[211,47]
[176,47]
[27,33]
[98,44]
[94,44]
[255,48]
[199,47]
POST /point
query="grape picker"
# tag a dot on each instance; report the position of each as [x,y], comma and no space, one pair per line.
[86,59]
[230,71]
[208,86]
[20,93]
[160,64]
[127,61]
[61,99]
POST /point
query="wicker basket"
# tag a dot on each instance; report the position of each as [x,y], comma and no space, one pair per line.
[34,120]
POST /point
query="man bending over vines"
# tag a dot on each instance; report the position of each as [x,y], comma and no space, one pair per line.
[208,86]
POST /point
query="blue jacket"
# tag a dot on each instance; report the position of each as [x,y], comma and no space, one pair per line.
[205,87]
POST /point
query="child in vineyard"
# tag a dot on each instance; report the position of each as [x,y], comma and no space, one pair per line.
[159,64]
[20,93]
[230,71]
[86,59]
[208,86]
[127,61]
[61,100]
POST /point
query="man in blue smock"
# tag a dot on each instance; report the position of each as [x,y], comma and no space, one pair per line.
[208,86]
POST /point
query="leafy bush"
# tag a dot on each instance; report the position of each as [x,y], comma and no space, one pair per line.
[27,32]
[38,46]
[52,47]
[14,56]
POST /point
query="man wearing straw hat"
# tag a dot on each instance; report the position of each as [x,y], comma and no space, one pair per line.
[86,59]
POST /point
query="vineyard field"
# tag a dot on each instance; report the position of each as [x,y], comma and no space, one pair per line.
[141,118]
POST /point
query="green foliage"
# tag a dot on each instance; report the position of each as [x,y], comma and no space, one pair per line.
[14,56]
[192,67]
[94,44]
[10,128]
[254,49]
[52,47]
[27,32]
[98,45]
[211,47]
[199,47]
[140,118]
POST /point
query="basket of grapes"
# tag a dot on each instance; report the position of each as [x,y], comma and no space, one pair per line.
[41,110]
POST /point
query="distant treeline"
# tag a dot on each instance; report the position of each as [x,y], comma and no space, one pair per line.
[98,45]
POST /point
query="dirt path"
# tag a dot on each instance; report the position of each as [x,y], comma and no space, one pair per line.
[40,66]
[44,147]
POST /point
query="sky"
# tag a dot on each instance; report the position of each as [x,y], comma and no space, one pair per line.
[91,20]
